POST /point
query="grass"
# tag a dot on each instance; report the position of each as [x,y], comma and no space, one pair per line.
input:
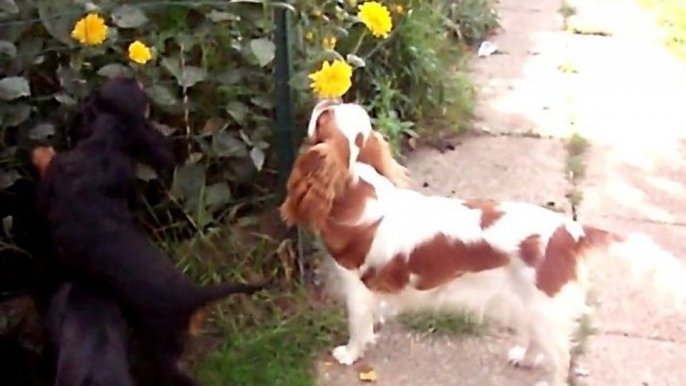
[670,15]
[450,324]
[279,352]
[576,146]
[271,338]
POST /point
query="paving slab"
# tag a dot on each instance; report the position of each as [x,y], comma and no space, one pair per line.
[403,358]
[494,167]
[647,184]
[624,306]
[624,361]
[517,85]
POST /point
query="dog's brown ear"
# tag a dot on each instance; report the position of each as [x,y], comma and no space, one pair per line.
[319,175]
[376,152]
[41,157]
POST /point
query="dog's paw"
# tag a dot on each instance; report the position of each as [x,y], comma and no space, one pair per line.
[517,357]
[345,356]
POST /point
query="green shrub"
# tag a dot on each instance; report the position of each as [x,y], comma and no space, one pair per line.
[211,84]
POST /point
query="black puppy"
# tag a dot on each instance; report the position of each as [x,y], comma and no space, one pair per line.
[89,334]
[83,194]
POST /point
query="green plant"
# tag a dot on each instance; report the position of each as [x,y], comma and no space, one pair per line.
[567,10]
[454,324]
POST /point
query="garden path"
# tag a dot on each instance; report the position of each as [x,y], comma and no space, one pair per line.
[625,94]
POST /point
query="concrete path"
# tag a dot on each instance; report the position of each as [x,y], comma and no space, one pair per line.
[627,96]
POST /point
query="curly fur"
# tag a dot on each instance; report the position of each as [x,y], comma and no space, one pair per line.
[84,196]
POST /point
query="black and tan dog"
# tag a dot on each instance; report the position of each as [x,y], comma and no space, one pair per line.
[84,194]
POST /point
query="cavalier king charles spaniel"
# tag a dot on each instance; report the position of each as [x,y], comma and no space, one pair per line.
[516,263]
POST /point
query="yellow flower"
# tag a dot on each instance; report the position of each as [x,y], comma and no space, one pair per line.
[376,17]
[333,80]
[329,42]
[90,30]
[139,52]
[399,9]
[317,13]
[309,35]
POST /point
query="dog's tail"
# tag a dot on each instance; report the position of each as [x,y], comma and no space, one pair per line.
[641,259]
[217,292]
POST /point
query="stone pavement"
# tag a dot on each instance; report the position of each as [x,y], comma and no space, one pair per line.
[626,95]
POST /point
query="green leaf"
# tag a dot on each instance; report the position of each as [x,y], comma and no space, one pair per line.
[16,115]
[300,81]
[227,145]
[257,157]
[264,50]
[237,110]
[218,16]
[188,184]
[8,48]
[114,70]
[59,27]
[42,131]
[217,194]
[8,178]
[161,95]
[7,223]
[145,172]
[65,99]
[231,76]
[263,101]
[9,6]
[186,77]
[14,87]
[73,82]
[127,16]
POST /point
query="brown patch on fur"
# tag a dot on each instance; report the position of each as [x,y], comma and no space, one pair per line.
[559,263]
[599,237]
[390,278]
[443,258]
[319,175]
[349,244]
[195,325]
[489,212]
[41,157]
[377,153]
[530,250]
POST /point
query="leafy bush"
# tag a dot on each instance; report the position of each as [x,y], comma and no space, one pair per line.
[210,80]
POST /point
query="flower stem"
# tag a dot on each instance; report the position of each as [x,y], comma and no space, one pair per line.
[359,42]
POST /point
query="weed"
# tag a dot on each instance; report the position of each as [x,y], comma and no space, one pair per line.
[575,197]
[567,68]
[578,26]
[566,9]
[576,145]
[452,324]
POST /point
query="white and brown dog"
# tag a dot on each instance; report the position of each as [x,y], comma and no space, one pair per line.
[517,263]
